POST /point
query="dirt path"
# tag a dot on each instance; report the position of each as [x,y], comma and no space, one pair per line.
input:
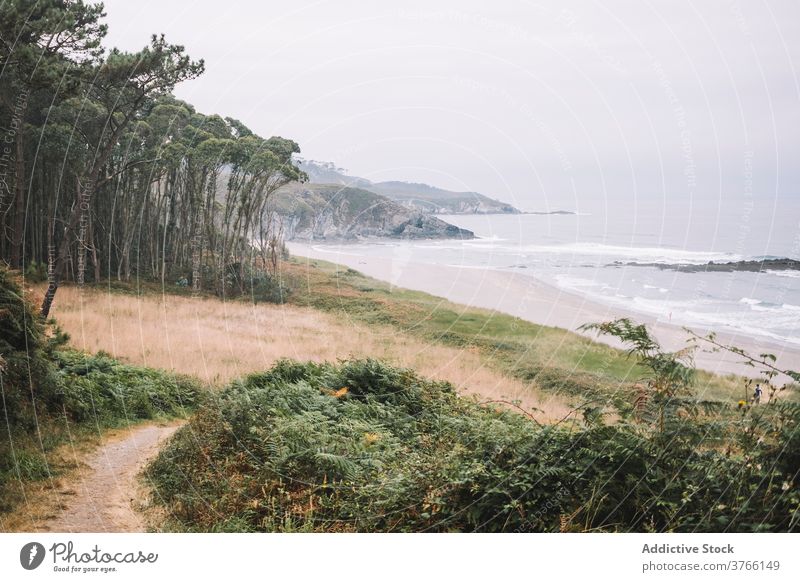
[102,497]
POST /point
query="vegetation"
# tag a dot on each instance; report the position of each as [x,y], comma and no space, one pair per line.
[51,395]
[227,341]
[362,313]
[420,197]
[654,445]
[362,446]
[289,449]
[101,167]
[553,359]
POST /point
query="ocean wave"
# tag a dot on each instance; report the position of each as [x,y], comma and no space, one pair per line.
[648,254]
[773,321]
[781,326]
[607,252]
[483,240]
[776,322]
[660,289]
[757,305]
[583,253]
[571,282]
[788,274]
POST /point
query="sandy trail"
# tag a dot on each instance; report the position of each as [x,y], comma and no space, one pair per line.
[102,497]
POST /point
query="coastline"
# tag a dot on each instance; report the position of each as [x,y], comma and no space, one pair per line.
[528,298]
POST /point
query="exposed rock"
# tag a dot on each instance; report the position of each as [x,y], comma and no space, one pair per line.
[331,212]
[756,266]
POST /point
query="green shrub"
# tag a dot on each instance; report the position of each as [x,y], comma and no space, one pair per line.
[30,466]
[268,289]
[27,378]
[245,280]
[36,272]
[363,446]
[99,387]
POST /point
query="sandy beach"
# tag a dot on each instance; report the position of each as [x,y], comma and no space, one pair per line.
[530,299]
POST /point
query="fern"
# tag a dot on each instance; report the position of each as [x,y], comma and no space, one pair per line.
[401,453]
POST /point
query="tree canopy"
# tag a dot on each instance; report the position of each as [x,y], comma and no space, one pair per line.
[104,173]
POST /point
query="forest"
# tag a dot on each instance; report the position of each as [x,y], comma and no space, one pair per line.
[104,174]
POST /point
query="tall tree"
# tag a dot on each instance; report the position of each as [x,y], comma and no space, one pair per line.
[44,47]
[124,86]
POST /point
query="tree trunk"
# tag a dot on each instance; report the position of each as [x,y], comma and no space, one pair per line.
[79,212]
[62,258]
[197,247]
[18,240]
[83,207]
[95,260]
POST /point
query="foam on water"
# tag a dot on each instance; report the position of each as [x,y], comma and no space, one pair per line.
[570,282]
[637,254]
[603,252]
[748,316]
[787,274]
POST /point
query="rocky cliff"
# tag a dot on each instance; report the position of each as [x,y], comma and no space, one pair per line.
[332,211]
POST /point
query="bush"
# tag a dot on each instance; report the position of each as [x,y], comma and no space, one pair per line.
[27,376]
[268,289]
[245,280]
[86,391]
[363,446]
[36,272]
[101,388]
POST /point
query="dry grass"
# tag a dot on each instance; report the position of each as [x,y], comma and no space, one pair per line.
[217,341]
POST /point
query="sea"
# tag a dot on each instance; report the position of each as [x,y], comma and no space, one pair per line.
[609,254]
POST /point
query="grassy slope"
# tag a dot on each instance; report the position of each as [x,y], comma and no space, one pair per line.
[366,447]
[218,341]
[552,358]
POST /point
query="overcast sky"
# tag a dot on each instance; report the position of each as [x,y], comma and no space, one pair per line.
[542,104]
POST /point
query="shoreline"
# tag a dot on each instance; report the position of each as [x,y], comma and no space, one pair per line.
[528,298]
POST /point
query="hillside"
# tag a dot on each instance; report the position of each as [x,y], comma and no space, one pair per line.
[436,200]
[419,197]
[331,211]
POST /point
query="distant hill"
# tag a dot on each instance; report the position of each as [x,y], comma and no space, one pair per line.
[333,211]
[419,197]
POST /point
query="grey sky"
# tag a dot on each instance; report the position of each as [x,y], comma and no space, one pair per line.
[546,104]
